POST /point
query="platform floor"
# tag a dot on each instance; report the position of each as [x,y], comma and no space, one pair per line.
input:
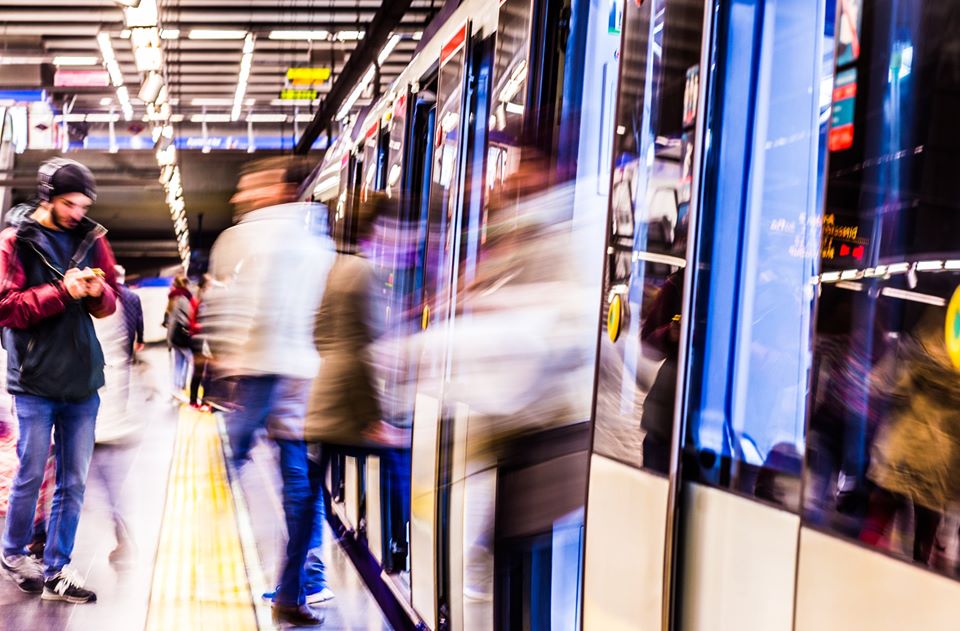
[206,547]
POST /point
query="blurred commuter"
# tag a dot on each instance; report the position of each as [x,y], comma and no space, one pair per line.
[200,349]
[57,271]
[180,306]
[267,279]
[132,311]
[345,407]
[915,457]
[119,428]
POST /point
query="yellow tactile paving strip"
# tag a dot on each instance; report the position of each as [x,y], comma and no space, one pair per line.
[199,580]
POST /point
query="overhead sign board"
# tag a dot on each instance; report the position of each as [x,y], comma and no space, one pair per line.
[81,79]
[308,76]
[292,94]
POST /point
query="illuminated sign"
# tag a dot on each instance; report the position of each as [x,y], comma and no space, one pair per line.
[23,96]
[81,79]
[844,103]
[841,241]
[308,76]
[290,94]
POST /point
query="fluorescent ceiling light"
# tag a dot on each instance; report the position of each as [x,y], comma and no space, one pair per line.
[297,103]
[203,102]
[68,60]
[18,59]
[72,118]
[143,16]
[246,67]
[357,91]
[116,76]
[210,118]
[304,118]
[170,33]
[106,48]
[418,36]
[200,33]
[105,101]
[151,87]
[299,35]
[267,118]
[148,59]
[145,37]
[102,118]
[128,3]
[387,49]
[349,36]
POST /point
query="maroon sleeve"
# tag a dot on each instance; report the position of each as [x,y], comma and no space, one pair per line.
[22,308]
[106,304]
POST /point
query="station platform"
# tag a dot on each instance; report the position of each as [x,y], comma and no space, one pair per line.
[206,545]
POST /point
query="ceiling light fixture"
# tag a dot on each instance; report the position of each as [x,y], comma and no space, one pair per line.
[210,118]
[305,36]
[68,60]
[349,36]
[132,4]
[266,118]
[357,91]
[246,67]
[387,49]
[144,15]
[201,33]
[170,33]
[150,90]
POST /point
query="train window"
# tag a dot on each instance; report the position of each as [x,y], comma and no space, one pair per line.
[647,239]
[757,250]
[883,460]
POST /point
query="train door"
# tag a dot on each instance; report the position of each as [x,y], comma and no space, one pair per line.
[433,427]
[706,335]
[646,273]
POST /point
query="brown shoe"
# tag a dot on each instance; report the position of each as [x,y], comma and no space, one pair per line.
[302,616]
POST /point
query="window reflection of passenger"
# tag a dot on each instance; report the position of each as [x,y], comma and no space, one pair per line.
[916,456]
[842,415]
[660,335]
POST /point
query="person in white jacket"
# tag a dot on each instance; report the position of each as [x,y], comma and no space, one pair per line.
[266,281]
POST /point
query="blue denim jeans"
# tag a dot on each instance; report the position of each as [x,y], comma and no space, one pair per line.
[72,426]
[273,398]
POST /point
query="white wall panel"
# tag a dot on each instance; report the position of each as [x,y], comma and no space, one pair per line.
[423,508]
[351,486]
[374,512]
[739,563]
[845,586]
[623,568]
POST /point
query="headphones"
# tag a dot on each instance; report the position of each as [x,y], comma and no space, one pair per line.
[45,176]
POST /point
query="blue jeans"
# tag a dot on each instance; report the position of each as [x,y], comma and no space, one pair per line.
[72,425]
[181,366]
[283,401]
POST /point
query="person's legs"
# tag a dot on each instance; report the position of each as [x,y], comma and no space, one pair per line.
[253,397]
[299,506]
[73,448]
[314,569]
[35,416]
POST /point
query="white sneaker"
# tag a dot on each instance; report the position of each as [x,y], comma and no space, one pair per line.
[322,596]
[25,571]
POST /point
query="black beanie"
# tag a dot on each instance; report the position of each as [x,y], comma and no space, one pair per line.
[61,176]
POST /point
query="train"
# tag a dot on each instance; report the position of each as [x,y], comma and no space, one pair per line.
[754,232]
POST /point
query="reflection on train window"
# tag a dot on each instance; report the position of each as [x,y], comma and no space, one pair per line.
[648,229]
[883,462]
[752,335]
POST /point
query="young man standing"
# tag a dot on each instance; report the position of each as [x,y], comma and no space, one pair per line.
[56,271]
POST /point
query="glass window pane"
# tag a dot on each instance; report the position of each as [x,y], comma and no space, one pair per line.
[751,335]
[884,443]
[646,258]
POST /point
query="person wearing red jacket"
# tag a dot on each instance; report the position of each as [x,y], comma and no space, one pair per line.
[56,272]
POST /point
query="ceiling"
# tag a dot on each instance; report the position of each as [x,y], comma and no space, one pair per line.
[201,74]
[204,70]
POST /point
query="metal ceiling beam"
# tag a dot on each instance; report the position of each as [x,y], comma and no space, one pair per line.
[388,17]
